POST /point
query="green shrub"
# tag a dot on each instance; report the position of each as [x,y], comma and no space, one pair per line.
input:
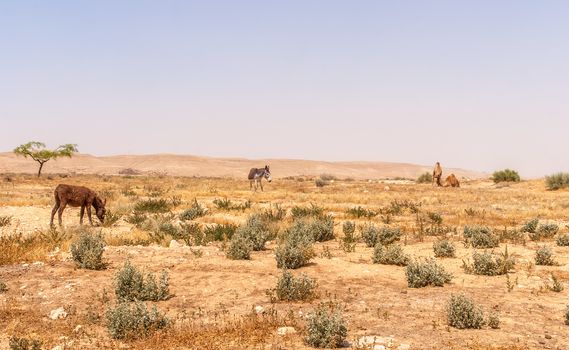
[360,212]
[390,255]
[567,315]
[152,206]
[557,181]
[219,232]
[296,246]
[321,183]
[321,228]
[131,285]
[17,343]
[239,248]
[191,233]
[435,218]
[463,313]
[328,177]
[426,273]
[256,231]
[111,218]
[480,237]
[325,328]
[548,230]
[490,264]
[544,256]
[556,285]
[3,286]
[349,240]
[137,219]
[493,321]
[87,251]
[562,240]
[385,235]
[290,288]
[278,214]
[443,248]
[301,212]
[194,212]
[131,321]
[530,226]
[425,178]
[506,175]
[5,220]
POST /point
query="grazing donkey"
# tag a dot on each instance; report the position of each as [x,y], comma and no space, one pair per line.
[77,196]
[257,174]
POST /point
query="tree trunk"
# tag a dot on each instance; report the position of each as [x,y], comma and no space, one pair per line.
[39,170]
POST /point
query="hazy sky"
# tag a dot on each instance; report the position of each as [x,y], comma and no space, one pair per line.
[474,84]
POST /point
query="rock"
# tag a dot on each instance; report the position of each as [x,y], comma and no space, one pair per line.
[58,313]
[59,347]
[286,330]
[174,244]
[259,309]
[404,347]
[78,329]
[547,336]
[386,188]
[375,342]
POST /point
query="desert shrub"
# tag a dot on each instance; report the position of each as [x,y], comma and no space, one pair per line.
[301,212]
[530,226]
[544,256]
[274,215]
[385,235]
[227,204]
[463,313]
[17,343]
[194,212]
[390,255]
[557,181]
[295,248]
[480,237]
[137,219]
[219,232]
[493,321]
[547,230]
[443,248]
[290,288]
[556,285]
[87,251]
[425,178]
[361,212]
[562,240]
[111,218]
[328,177]
[159,227]
[490,264]
[239,248]
[321,182]
[349,240]
[130,285]
[152,206]
[191,233]
[5,220]
[567,315]
[506,175]
[256,231]
[422,273]
[131,321]
[321,228]
[3,286]
[325,328]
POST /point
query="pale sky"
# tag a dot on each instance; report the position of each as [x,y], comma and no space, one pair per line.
[481,85]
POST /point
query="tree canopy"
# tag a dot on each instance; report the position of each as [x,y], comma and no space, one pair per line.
[38,152]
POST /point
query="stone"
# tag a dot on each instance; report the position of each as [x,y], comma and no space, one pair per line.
[174,244]
[547,336]
[386,188]
[58,313]
[375,342]
[259,309]
[404,347]
[286,330]
[77,328]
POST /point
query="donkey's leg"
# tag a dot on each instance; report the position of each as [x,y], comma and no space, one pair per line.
[60,212]
[251,185]
[81,213]
[261,183]
[54,210]
[89,214]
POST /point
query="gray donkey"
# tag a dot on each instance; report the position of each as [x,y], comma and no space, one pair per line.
[256,175]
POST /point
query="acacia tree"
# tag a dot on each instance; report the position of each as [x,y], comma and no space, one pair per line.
[38,152]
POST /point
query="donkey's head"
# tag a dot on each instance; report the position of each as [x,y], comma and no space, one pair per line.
[268,174]
[99,205]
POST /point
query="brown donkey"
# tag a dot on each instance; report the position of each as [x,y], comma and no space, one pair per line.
[77,196]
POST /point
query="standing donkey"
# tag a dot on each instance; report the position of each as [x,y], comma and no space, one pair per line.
[77,196]
[256,175]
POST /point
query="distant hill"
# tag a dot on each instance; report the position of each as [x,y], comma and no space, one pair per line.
[187,165]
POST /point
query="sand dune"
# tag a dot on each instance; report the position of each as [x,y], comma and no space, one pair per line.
[187,165]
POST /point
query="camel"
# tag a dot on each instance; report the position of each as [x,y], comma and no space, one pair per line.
[451,181]
[437,174]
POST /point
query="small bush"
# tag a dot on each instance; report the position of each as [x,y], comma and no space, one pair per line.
[131,321]
[5,220]
[480,237]
[385,235]
[3,286]
[256,231]
[435,218]
[191,233]
[493,321]
[567,315]
[321,183]
[227,204]
[557,181]
[390,255]
[326,328]
[194,212]
[349,240]
[130,285]
[137,219]
[425,178]
[17,343]
[296,247]
[426,273]
[361,212]
[544,256]
[322,228]
[463,313]
[274,215]
[547,230]
[239,248]
[490,264]
[556,285]
[290,288]
[328,177]
[111,218]
[506,175]
[301,212]
[530,226]
[443,248]
[87,251]
[152,206]
[562,240]
[219,232]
